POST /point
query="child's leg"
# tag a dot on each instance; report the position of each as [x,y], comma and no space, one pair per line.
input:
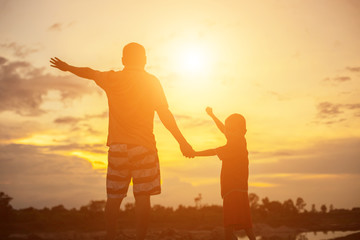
[250,233]
[229,233]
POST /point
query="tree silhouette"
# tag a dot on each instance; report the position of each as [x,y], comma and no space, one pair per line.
[91,216]
[313,208]
[198,201]
[253,201]
[5,207]
[96,206]
[323,208]
[300,204]
[289,207]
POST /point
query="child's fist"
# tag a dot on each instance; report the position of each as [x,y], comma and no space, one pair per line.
[209,111]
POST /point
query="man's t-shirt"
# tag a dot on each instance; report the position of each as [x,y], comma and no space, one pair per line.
[133,97]
[235,167]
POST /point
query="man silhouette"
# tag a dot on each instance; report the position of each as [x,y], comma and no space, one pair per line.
[133,97]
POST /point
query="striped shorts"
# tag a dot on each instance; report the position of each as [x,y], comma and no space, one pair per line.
[126,162]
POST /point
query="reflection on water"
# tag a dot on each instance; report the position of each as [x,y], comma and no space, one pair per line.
[304,235]
[323,235]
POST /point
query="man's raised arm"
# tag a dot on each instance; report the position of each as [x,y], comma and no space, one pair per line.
[83,72]
[169,122]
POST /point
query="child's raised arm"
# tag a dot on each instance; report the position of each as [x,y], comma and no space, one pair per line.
[204,153]
[218,123]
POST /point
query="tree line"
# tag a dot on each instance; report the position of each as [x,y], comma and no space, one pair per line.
[90,217]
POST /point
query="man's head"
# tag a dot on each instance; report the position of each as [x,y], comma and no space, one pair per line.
[134,55]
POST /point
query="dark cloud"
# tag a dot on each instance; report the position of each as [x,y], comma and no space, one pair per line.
[338,79]
[11,130]
[36,177]
[55,27]
[67,120]
[335,121]
[342,79]
[327,110]
[89,130]
[335,156]
[4,4]
[19,50]
[104,114]
[282,153]
[353,69]
[2,60]
[74,120]
[60,26]
[352,106]
[22,87]
[94,148]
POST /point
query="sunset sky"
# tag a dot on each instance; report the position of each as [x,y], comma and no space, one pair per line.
[292,68]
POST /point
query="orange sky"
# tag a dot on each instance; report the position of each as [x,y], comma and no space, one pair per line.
[292,68]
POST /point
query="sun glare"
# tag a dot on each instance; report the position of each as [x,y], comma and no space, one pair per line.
[193,60]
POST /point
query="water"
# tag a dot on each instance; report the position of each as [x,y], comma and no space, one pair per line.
[307,235]
[323,235]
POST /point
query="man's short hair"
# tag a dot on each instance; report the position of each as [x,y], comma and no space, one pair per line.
[134,55]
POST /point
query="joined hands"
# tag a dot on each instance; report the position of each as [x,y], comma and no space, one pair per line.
[187,150]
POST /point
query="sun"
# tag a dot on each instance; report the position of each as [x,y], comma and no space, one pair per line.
[192,64]
[193,60]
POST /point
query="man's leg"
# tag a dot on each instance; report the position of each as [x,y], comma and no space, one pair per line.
[250,233]
[111,215]
[229,233]
[142,209]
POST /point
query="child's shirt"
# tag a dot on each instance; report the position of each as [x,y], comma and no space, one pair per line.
[235,167]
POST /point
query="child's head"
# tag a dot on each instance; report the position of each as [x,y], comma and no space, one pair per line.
[235,126]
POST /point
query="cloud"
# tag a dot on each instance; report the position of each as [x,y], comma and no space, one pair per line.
[74,120]
[335,156]
[4,5]
[190,121]
[23,87]
[279,96]
[93,148]
[55,27]
[67,120]
[352,106]
[353,69]
[19,50]
[2,60]
[11,130]
[319,173]
[280,153]
[328,110]
[342,79]
[37,178]
[338,79]
[60,26]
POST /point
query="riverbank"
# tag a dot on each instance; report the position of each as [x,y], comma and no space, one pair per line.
[263,231]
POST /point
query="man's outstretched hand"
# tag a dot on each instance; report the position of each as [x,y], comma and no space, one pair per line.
[57,63]
[187,150]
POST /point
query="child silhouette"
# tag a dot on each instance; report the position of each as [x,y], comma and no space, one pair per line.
[234,175]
